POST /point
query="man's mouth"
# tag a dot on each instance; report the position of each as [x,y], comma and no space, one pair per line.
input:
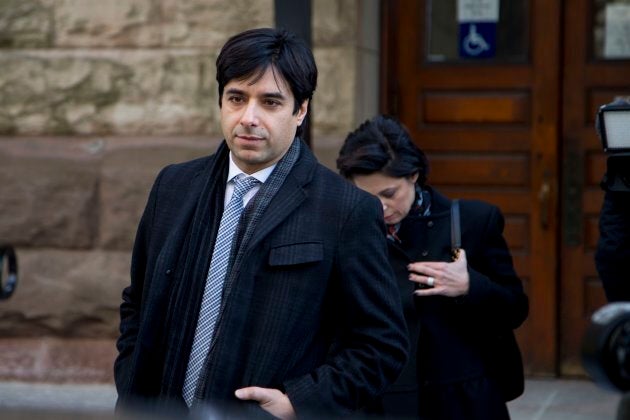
[249,137]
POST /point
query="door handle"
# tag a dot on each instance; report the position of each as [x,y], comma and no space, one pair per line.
[572,188]
[543,198]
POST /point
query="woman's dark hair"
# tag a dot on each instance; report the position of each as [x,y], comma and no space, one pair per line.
[252,52]
[382,144]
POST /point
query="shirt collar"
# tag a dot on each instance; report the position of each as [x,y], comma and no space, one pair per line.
[261,175]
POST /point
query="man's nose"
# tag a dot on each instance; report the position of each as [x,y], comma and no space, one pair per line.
[250,115]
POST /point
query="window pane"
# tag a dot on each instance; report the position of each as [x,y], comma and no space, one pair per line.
[478,30]
[611,29]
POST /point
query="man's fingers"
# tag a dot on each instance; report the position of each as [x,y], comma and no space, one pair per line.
[262,395]
[272,400]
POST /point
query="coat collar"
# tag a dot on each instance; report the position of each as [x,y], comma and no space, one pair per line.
[289,197]
[439,203]
[302,172]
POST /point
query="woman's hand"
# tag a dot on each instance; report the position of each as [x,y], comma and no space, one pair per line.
[447,278]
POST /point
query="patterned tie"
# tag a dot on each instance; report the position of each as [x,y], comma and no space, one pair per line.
[211,301]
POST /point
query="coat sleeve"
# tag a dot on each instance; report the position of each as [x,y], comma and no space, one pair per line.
[130,309]
[495,289]
[372,346]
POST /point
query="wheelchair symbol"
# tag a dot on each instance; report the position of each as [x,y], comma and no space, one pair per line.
[473,43]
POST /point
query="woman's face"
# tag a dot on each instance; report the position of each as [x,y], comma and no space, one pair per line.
[396,194]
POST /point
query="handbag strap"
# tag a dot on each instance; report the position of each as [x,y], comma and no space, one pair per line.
[456,235]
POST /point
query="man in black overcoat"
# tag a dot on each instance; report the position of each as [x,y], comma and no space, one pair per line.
[308,319]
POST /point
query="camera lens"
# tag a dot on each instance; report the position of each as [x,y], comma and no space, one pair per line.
[606,346]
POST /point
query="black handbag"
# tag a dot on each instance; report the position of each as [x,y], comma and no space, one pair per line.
[503,355]
[456,233]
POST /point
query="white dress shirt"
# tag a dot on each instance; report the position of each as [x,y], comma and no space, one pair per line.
[234,170]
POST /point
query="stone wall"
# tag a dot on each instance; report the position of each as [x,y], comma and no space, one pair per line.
[95,97]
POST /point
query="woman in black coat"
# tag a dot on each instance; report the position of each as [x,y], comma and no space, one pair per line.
[460,311]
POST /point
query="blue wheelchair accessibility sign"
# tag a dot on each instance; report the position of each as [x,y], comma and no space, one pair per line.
[477,21]
[477,40]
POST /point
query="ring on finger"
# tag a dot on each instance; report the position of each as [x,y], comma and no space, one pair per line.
[430,281]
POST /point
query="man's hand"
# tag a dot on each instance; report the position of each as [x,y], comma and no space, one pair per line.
[271,400]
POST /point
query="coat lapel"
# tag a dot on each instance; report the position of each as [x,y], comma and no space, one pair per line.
[288,199]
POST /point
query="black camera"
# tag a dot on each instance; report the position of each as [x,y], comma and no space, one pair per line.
[613,125]
[606,346]
[613,128]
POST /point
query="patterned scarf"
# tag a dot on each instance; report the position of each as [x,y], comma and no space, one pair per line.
[257,205]
[420,207]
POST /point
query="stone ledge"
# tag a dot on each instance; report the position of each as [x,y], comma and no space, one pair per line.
[61,293]
[57,360]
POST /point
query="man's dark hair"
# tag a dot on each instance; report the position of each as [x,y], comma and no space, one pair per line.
[252,52]
[382,144]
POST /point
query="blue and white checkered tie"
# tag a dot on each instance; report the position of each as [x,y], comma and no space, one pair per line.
[211,301]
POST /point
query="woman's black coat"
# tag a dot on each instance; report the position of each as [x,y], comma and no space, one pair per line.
[465,352]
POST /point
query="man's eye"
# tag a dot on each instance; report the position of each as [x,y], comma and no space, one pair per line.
[235,99]
[271,103]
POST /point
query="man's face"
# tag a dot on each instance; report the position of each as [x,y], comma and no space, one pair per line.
[258,121]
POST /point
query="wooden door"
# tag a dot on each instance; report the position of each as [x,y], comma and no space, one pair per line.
[592,77]
[490,128]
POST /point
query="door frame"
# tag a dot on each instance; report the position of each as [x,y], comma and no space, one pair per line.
[542,76]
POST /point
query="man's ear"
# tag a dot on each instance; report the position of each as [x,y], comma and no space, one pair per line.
[302,111]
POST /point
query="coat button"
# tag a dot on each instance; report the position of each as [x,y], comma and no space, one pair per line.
[430,223]
[425,253]
[168,272]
